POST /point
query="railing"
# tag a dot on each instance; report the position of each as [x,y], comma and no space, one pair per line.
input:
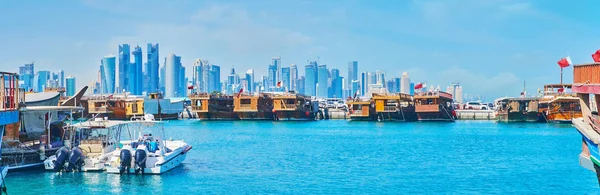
[9,91]
[356,113]
[101,110]
[586,73]
[199,96]
[198,108]
[389,108]
[287,107]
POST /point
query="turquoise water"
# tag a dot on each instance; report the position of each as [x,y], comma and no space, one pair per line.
[340,157]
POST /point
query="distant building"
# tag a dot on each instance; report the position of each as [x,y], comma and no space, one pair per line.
[286,79]
[405,84]
[272,77]
[61,76]
[136,73]
[71,86]
[277,63]
[152,68]
[293,77]
[173,76]
[310,80]
[412,88]
[301,83]
[323,82]
[391,86]
[26,76]
[41,80]
[124,68]
[336,84]
[380,77]
[215,79]
[456,90]
[352,75]
[250,80]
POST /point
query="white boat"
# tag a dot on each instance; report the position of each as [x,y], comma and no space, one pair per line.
[88,146]
[148,154]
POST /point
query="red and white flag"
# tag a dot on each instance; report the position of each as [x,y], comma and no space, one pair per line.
[191,87]
[564,62]
[596,56]
[561,90]
[419,86]
[278,84]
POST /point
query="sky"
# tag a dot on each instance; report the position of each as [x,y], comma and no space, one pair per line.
[491,47]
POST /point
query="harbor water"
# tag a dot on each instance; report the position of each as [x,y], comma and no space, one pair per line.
[341,157]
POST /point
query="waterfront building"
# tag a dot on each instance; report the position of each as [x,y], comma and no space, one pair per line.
[152,68]
[276,61]
[405,83]
[172,74]
[293,77]
[71,86]
[250,81]
[285,79]
[310,80]
[323,82]
[136,72]
[352,76]
[272,76]
[337,83]
[26,76]
[124,68]
[215,79]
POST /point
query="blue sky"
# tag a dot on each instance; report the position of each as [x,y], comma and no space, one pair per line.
[489,46]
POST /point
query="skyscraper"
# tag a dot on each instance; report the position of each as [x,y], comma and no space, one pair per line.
[71,86]
[61,74]
[277,63]
[397,85]
[215,79]
[161,85]
[352,75]
[124,66]
[310,80]
[405,83]
[136,72]
[26,75]
[391,86]
[412,88]
[285,78]
[250,80]
[233,82]
[152,68]
[300,85]
[42,78]
[323,82]
[380,78]
[293,77]
[363,82]
[272,77]
[108,75]
[172,73]
[181,80]
[336,84]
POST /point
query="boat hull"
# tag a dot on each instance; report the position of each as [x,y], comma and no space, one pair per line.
[255,115]
[295,116]
[25,160]
[519,117]
[217,115]
[434,116]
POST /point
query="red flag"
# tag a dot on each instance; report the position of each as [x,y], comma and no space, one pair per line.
[522,93]
[419,86]
[240,93]
[596,56]
[110,96]
[561,90]
[564,62]
[191,87]
[278,84]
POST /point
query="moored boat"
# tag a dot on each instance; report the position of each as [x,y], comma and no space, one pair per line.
[394,107]
[121,107]
[558,106]
[521,109]
[162,108]
[434,106]
[150,153]
[250,107]
[361,110]
[10,97]
[293,106]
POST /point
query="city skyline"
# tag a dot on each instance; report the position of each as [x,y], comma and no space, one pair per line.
[430,40]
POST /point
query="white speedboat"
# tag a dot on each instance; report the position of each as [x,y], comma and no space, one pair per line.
[149,154]
[88,146]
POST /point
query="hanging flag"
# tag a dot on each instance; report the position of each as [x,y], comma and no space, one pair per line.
[596,56]
[240,93]
[355,94]
[110,96]
[419,86]
[191,87]
[561,90]
[278,84]
[522,93]
[564,62]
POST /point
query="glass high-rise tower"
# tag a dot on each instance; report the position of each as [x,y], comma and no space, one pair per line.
[71,86]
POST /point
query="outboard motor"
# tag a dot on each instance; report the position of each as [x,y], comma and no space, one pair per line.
[140,160]
[75,159]
[61,156]
[125,161]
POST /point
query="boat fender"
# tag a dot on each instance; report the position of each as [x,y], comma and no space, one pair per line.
[140,160]
[75,159]
[125,163]
[61,156]
[187,149]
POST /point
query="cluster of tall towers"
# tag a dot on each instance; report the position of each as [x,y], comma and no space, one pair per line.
[127,76]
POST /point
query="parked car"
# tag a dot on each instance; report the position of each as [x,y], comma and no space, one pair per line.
[475,106]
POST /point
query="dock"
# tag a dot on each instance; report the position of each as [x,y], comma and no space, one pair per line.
[475,115]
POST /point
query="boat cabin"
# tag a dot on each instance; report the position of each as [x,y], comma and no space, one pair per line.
[199,102]
[245,103]
[359,108]
[431,101]
[287,101]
